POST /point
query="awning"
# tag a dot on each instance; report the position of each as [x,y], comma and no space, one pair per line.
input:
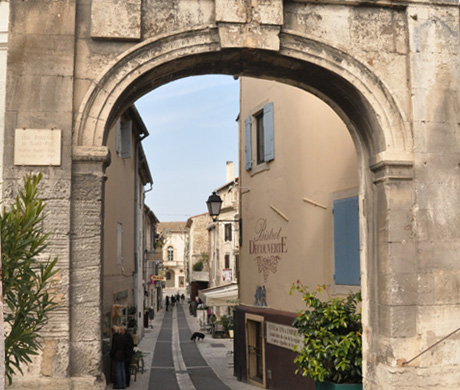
[224,295]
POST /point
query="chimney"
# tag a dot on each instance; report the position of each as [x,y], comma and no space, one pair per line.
[230,174]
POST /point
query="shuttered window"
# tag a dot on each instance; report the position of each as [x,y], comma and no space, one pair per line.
[264,130]
[247,143]
[269,133]
[346,241]
[126,139]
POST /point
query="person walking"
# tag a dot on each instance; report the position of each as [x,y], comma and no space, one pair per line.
[167,303]
[119,354]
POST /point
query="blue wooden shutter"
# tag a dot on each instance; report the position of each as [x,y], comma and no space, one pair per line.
[126,139]
[346,241]
[269,133]
[247,142]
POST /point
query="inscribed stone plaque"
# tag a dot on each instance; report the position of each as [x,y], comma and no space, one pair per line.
[37,147]
[283,336]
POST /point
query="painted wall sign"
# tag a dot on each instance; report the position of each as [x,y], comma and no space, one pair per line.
[269,244]
[37,147]
[283,336]
[154,278]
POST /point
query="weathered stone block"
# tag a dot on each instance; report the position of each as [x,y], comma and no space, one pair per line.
[86,323]
[376,29]
[53,54]
[116,19]
[397,289]
[397,321]
[50,18]
[436,254]
[253,11]
[86,286]
[400,258]
[253,36]
[86,358]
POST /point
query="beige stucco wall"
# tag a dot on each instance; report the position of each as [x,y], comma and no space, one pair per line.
[314,159]
[119,208]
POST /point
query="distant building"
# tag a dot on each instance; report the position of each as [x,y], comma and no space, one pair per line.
[152,279]
[224,235]
[175,236]
[198,259]
[299,209]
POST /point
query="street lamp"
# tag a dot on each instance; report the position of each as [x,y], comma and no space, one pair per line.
[214,204]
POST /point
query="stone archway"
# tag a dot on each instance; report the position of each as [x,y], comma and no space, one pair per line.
[382,135]
[389,71]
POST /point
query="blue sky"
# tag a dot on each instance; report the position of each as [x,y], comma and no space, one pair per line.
[193,133]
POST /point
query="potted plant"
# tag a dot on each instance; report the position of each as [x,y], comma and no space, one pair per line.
[331,353]
[227,323]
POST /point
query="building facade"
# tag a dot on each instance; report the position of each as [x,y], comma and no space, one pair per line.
[123,278]
[175,236]
[224,233]
[298,167]
[152,278]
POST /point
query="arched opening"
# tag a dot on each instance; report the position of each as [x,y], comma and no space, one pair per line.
[372,117]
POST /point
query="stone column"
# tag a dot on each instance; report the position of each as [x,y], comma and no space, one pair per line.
[86,266]
[391,279]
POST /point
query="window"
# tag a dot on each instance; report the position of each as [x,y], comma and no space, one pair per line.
[170,253]
[346,241]
[227,261]
[260,138]
[168,275]
[264,135]
[228,232]
[119,243]
[124,138]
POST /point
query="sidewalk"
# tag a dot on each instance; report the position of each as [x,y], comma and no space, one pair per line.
[218,354]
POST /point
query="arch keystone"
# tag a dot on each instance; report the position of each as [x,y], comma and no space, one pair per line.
[251,24]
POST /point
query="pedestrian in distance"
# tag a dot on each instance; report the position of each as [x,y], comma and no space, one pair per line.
[151,314]
[119,354]
[167,303]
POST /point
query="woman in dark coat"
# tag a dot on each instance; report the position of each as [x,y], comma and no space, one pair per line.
[119,354]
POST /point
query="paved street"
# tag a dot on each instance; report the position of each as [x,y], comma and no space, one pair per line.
[174,362]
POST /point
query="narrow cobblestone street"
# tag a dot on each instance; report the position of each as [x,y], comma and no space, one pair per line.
[174,362]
